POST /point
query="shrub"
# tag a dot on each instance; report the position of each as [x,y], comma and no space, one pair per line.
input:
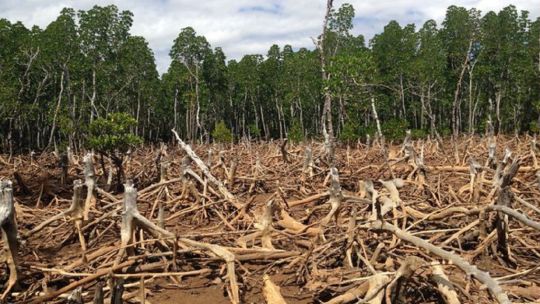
[112,137]
[254,131]
[418,133]
[533,127]
[394,129]
[221,133]
[349,133]
[296,134]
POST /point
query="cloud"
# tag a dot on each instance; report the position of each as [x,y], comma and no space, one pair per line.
[249,26]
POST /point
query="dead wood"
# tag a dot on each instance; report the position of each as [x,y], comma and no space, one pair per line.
[9,235]
[469,269]
[224,191]
[444,285]
[131,218]
[283,225]
[271,292]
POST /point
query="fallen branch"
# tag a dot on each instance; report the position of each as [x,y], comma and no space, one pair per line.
[222,189]
[484,277]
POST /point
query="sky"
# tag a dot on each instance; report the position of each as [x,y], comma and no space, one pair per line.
[249,26]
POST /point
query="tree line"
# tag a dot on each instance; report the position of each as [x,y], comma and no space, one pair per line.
[469,73]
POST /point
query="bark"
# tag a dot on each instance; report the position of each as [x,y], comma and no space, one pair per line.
[444,285]
[131,218]
[456,103]
[57,109]
[327,108]
[271,292]
[376,117]
[8,226]
[93,98]
[175,122]
[491,284]
[228,196]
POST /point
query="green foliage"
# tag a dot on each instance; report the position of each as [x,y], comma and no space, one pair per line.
[533,127]
[254,130]
[112,134]
[86,63]
[419,133]
[394,129]
[221,133]
[296,134]
[349,133]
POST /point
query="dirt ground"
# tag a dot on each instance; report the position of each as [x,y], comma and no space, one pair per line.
[279,221]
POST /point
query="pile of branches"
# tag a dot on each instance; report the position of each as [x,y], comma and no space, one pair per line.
[420,221]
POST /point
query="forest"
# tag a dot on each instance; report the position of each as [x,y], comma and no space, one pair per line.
[473,70]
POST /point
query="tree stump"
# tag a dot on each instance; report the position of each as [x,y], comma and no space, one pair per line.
[9,235]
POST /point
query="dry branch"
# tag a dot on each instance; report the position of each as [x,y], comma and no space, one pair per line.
[444,285]
[271,292]
[469,269]
[222,189]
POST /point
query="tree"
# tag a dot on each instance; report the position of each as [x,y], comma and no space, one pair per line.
[112,137]
[221,133]
[191,50]
[428,71]
[460,35]
[84,65]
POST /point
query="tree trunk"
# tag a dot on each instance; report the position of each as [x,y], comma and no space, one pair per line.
[402,96]
[498,97]
[175,119]
[471,110]
[456,103]
[93,99]
[138,110]
[327,109]
[376,117]
[57,108]
[197,102]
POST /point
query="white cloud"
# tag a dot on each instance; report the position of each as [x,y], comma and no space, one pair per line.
[248,26]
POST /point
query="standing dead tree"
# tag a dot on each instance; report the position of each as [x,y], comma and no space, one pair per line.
[326,119]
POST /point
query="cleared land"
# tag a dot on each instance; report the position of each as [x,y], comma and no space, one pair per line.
[417,222]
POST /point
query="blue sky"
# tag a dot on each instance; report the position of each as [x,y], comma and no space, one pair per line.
[249,26]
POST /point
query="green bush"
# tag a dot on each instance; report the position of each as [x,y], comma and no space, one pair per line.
[112,137]
[533,127]
[296,134]
[419,133]
[254,131]
[221,133]
[349,133]
[112,134]
[394,129]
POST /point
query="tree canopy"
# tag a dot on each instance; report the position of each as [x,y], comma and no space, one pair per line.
[436,79]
